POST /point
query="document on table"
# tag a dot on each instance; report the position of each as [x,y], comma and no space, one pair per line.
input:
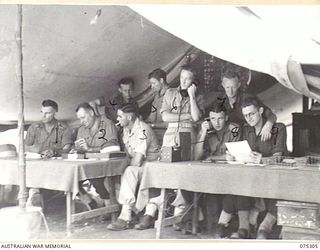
[240,150]
[32,156]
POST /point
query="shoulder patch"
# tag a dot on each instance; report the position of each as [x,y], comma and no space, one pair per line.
[233,125]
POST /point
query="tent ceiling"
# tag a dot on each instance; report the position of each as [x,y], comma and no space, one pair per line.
[71,59]
[77,53]
[261,38]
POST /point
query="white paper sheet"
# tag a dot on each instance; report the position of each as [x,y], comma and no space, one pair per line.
[31,155]
[240,150]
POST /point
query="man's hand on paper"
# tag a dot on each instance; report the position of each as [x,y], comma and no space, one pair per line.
[229,157]
[255,157]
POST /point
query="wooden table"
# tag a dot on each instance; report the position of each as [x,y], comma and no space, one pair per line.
[276,182]
[64,175]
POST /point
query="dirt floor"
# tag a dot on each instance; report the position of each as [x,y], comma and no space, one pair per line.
[96,228]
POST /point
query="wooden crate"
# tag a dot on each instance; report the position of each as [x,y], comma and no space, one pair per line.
[298,214]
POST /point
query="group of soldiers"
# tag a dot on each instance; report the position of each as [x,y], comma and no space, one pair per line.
[228,116]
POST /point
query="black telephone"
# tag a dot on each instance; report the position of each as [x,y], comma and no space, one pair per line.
[184,92]
[211,130]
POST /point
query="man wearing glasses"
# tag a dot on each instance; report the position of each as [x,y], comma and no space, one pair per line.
[252,111]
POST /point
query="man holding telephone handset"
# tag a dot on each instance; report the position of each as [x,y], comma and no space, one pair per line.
[214,133]
[181,107]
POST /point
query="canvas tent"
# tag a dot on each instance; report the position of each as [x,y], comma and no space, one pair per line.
[71,60]
[76,53]
[269,39]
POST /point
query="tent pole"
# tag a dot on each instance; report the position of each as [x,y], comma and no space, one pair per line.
[19,77]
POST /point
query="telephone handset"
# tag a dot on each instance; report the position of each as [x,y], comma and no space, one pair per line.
[184,92]
[210,130]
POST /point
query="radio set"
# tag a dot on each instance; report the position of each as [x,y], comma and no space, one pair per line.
[180,153]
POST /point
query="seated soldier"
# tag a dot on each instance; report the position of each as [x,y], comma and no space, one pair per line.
[158,81]
[49,137]
[140,144]
[208,146]
[214,133]
[96,132]
[275,146]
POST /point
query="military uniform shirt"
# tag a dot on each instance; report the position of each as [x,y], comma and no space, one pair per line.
[106,134]
[112,105]
[214,143]
[55,140]
[155,115]
[235,113]
[173,102]
[277,143]
[141,139]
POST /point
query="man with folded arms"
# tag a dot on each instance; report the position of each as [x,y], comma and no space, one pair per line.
[252,111]
[140,144]
[95,133]
[49,137]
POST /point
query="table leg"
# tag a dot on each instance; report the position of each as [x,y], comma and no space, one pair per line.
[195,214]
[161,213]
[113,199]
[69,208]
